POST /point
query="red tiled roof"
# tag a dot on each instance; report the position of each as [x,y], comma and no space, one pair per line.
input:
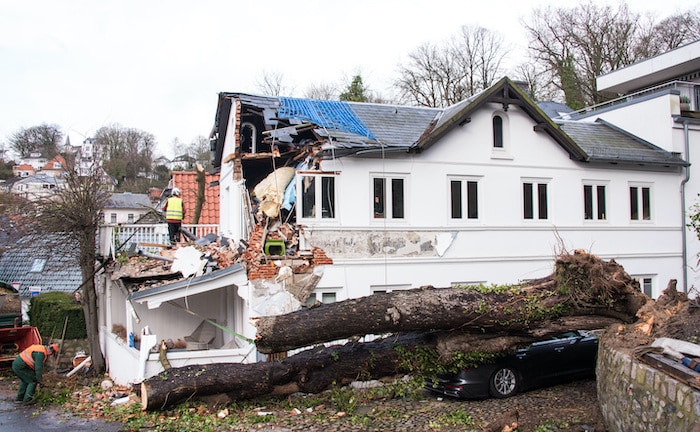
[57,158]
[186,181]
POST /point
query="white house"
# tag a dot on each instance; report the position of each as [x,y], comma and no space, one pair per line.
[329,200]
[126,208]
[659,100]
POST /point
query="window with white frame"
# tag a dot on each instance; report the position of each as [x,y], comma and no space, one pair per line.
[594,202]
[378,289]
[317,197]
[388,197]
[323,296]
[646,284]
[112,218]
[130,218]
[640,202]
[535,199]
[464,198]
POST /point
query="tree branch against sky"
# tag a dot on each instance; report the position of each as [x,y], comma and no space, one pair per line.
[44,138]
[439,75]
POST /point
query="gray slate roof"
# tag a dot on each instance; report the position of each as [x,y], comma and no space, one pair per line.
[405,128]
[128,200]
[603,142]
[60,271]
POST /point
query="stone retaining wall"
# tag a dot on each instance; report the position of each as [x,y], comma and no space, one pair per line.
[635,397]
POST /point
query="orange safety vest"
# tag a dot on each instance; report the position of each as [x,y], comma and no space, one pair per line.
[26,355]
[174,209]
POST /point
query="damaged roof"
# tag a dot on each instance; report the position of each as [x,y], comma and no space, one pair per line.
[366,128]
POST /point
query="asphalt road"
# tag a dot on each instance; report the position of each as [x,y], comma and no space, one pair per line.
[34,418]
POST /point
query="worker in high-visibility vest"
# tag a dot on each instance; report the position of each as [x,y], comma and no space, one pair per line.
[174,213]
[29,367]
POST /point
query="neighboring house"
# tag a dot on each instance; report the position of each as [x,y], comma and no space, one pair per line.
[183,163]
[56,167]
[40,263]
[35,160]
[23,170]
[126,208]
[36,187]
[186,181]
[161,161]
[330,200]
[651,106]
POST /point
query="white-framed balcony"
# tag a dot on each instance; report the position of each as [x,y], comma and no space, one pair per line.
[113,238]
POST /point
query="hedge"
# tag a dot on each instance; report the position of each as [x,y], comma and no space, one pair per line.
[48,312]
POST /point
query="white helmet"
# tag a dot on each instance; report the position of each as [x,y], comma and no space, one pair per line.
[176,191]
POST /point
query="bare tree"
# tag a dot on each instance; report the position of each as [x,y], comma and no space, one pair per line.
[44,139]
[576,45]
[323,91]
[199,149]
[75,210]
[441,75]
[271,83]
[129,151]
[431,78]
[537,81]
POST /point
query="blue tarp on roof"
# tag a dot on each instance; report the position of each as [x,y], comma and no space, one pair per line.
[329,114]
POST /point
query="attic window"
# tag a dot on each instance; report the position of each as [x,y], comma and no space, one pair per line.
[497,131]
[38,265]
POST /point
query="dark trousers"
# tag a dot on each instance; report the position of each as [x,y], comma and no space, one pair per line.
[174,229]
[28,378]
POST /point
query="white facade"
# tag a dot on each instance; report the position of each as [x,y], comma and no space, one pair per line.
[428,247]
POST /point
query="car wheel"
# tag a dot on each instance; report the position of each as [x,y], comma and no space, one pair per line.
[504,383]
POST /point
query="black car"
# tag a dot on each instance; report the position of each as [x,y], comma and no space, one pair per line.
[565,357]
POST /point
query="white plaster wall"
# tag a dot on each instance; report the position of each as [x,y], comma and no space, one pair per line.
[499,247]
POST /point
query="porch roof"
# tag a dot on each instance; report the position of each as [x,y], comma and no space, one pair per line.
[153,297]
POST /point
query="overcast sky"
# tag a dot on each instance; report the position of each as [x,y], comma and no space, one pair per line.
[158,66]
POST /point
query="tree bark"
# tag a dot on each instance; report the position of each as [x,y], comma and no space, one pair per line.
[310,371]
[583,293]
[582,285]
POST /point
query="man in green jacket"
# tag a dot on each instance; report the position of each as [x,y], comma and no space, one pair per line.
[29,367]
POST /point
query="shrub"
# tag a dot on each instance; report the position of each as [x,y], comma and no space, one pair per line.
[48,313]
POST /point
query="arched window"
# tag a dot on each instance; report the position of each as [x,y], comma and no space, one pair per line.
[497,131]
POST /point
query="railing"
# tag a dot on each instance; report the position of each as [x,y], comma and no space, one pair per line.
[114,238]
[686,89]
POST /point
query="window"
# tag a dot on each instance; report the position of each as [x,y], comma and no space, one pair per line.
[130,218]
[388,198]
[646,284]
[497,131]
[594,202]
[640,203]
[535,200]
[113,218]
[382,289]
[317,193]
[37,265]
[464,199]
[323,297]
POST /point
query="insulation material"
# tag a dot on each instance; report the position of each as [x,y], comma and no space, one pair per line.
[270,191]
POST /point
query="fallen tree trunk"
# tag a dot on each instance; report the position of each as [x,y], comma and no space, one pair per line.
[581,285]
[584,293]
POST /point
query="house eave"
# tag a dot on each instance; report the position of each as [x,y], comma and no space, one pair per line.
[154,297]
